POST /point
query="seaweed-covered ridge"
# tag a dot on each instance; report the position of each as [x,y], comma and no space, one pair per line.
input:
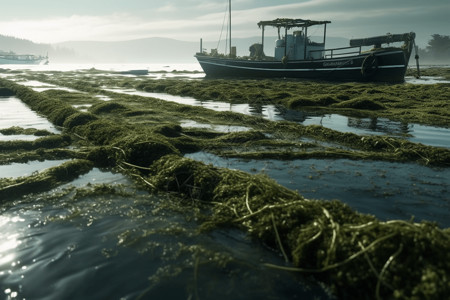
[356,255]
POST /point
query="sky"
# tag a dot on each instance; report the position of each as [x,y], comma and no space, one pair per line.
[55,21]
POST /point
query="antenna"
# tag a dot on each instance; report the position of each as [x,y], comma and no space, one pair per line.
[229,22]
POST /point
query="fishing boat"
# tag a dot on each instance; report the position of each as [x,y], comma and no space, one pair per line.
[22,59]
[297,56]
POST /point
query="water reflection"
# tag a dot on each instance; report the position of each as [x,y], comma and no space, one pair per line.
[370,126]
[218,128]
[9,241]
[13,112]
[126,244]
[386,190]
[426,80]
[15,170]
[429,135]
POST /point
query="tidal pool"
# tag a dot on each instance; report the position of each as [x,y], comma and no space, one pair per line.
[426,80]
[15,170]
[13,112]
[42,86]
[386,190]
[217,128]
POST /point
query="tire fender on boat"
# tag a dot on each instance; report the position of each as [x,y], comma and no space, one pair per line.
[369,66]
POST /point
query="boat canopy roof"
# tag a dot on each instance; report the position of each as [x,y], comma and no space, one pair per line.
[291,23]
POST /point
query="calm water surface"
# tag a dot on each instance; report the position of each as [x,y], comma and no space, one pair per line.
[129,245]
[386,190]
[428,135]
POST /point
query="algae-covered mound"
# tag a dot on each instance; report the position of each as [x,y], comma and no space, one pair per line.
[357,255]
[107,107]
[360,103]
[51,141]
[45,180]
[142,150]
[27,131]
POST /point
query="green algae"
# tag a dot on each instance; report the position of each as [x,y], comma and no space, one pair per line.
[431,71]
[143,150]
[123,110]
[15,130]
[22,156]
[52,141]
[356,255]
[127,115]
[107,107]
[46,180]
[78,119]
[361,103]
[424,104]
[72,98]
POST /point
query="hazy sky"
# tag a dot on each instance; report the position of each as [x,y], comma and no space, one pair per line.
[53,21]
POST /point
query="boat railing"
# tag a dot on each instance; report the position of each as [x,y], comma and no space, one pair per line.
[338,52]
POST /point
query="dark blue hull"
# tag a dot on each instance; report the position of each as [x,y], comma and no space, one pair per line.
[384,66]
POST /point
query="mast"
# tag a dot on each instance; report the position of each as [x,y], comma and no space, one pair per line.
[229,22]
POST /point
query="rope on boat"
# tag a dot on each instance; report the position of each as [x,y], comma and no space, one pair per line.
[416,49]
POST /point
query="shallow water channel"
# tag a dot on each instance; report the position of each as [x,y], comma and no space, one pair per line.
[14,112]
[386,190]
[428,135]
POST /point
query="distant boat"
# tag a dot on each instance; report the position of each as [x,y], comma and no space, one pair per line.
[296,56]
[22,59]
[134,72]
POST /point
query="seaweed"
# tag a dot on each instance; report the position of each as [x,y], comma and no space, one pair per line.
[143,150]
[360,103]
[357,255]
[39,154]
[107,107]
[402,102]
[52,141]
[6,92]
[78,119]
[15,130]
[43,181]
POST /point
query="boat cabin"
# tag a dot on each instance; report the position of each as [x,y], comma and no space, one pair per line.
[293,47]
[296,45]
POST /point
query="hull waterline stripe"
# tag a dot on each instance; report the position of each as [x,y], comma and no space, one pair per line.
[297,70]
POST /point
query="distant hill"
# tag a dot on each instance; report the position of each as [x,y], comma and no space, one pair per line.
[153,50]
[22,46]
[149,50]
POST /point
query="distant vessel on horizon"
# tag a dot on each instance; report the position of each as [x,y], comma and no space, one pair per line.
[11,58]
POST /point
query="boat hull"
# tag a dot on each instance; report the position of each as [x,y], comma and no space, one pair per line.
[14,61]
[383,66]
